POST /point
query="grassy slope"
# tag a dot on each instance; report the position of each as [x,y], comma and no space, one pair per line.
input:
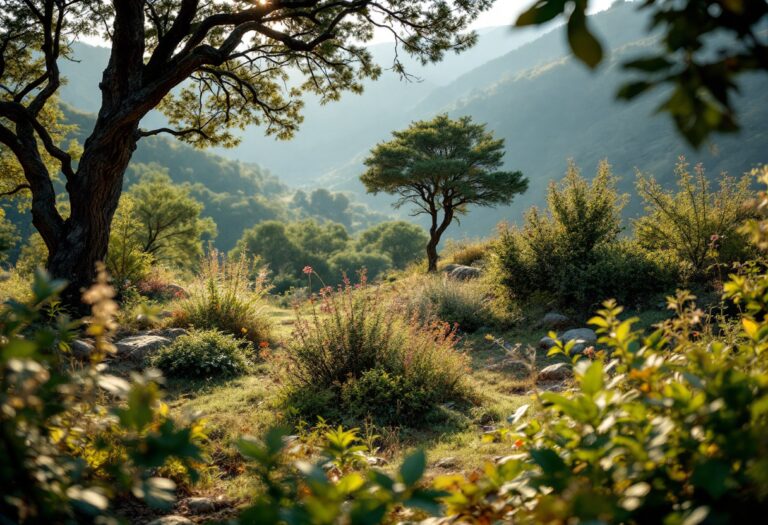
[249,405]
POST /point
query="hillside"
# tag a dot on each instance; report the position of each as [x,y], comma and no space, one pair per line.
[547,107]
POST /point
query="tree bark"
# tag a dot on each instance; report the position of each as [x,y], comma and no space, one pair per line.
[94,195]
[435,233]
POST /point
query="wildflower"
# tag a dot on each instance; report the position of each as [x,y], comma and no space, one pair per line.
[264,344]
[307,270]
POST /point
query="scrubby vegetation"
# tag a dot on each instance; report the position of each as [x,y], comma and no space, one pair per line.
[357,355]
[224,297]
[204,354]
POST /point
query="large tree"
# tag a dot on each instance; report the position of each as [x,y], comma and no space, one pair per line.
[441,167]
[207,65]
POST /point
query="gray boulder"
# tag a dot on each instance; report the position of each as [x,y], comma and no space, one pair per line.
[200,505]
[172,519]
[554,321]
[546,342]
[465,273]
[448,268]
[138,347]
[556,372]
[171,333]
[583,337]
[81,349]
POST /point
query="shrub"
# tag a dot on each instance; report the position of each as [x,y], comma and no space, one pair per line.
[223,297]
[352,262]
[203,354]
[697,224]
[571,256]
[402,241]
[354,334]
[465,253]
[465,303]
[55,467]
[127,262]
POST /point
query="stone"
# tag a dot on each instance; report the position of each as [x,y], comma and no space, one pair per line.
[138,347]
[584,338]
[556,372]
[448,268]
[171,333]
[546,343]
[554,321]
[175,291]
[81,349]
[465,273]
[172,519]
[447,463]
[200,505]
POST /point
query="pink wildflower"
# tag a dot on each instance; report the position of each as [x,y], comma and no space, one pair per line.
[307,270]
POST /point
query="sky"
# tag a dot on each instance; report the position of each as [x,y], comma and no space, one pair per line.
[505,11]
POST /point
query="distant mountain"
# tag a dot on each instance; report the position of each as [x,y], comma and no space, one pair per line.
[523,84]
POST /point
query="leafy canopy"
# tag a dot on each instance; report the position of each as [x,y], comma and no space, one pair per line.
[442,164]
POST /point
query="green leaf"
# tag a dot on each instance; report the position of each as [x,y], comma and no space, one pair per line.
[548,460]
[583,43]
[649,64]
[712,476]
[541,12]
[413,467]
[592,379]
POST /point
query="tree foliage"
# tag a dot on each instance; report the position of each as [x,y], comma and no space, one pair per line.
[168,223]
[441,167]
[402,241]
[207,66]
[704,47]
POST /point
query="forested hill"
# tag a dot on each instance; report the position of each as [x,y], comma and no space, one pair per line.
[546,106]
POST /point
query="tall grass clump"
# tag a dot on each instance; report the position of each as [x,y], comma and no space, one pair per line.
[466,252]
[224,298]
[467,304]
[356,355]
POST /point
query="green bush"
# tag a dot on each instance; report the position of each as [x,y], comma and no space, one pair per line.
[465,253]
[351,263]
[203,355]
[354,333]
[572,257]
[223,297]
[465,303]
[391,399]
[697,224]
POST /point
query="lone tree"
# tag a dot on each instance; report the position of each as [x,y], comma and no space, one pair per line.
[208,66]
[441,167]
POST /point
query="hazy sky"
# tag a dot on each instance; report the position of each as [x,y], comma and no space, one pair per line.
[505,11]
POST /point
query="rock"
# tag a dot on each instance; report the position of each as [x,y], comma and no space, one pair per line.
[447,463]
[200,505]
[81,349]
[546,343]
[584,337]
[172,519]
[465,273]
[4,276]
[175,291]
[554,321]
[376,461]
[556,372]
[171,333]
[138,347]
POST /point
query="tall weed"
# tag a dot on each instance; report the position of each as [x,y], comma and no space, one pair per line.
[223,297]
